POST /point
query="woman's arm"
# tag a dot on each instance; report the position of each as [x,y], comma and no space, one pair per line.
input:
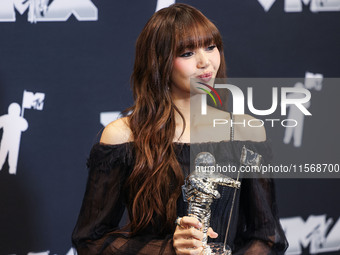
[103,205]
[97,229]
[259,228]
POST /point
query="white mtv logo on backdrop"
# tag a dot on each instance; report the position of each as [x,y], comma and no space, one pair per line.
[289,6]
[312,81]
[13,124]
[316,233]
[296,5]
[43,10]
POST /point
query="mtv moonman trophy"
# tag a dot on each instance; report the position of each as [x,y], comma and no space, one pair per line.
[200,189]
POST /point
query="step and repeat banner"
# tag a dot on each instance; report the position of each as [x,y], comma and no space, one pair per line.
[64,74]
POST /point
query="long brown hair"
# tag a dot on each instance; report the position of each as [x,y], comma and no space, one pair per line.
[154,184]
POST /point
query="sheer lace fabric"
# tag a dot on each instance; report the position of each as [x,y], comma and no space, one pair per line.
[255,227]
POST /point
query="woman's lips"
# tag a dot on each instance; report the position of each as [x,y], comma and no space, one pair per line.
[206,77]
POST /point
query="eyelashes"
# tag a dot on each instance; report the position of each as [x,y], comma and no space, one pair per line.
[212,47]
[189,53]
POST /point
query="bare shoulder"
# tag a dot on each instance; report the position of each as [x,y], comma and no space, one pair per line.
[248,128]
[117,132]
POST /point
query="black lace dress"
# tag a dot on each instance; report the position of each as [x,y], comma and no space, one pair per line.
[254,229]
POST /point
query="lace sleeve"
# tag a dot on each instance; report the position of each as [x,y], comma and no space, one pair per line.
[259,228]
[103,206]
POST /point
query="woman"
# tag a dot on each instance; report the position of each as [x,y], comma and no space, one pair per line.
[143,158]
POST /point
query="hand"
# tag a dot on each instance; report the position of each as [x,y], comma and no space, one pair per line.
[188,236]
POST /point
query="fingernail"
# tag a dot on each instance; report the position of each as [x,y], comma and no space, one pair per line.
[200,224]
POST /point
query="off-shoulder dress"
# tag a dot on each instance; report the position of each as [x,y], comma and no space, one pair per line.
[254,229]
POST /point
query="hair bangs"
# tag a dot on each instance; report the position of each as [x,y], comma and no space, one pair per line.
[196,33]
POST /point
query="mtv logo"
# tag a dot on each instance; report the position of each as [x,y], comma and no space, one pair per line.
[316,232]
[35,101]
[47,10]
[297,5]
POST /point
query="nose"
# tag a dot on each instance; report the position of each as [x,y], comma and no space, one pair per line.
[202,59]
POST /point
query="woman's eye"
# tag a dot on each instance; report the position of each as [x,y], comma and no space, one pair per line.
[187,54]
[211,47]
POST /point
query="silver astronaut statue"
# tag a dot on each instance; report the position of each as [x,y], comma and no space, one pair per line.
[200,190]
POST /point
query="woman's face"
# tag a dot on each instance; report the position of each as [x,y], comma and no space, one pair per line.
[200,65]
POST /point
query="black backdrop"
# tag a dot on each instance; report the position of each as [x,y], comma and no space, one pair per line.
[83,68]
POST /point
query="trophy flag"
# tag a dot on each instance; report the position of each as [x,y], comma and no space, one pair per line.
[32,100]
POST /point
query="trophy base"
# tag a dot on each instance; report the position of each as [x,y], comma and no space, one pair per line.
[217,249]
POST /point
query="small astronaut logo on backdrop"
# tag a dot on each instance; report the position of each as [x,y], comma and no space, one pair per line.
[48,10]
[13,124]
[295,134]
